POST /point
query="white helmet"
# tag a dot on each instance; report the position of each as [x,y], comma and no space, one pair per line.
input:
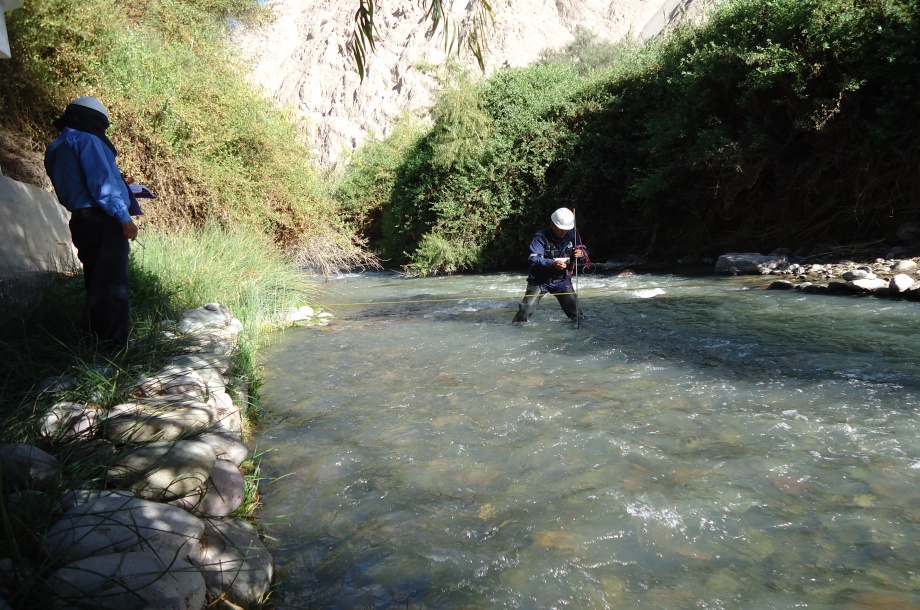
[93,103]
[564,218]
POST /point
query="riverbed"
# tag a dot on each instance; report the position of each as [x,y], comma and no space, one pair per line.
[696,442]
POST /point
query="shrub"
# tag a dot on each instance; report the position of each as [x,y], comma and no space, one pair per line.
[775,123]
[185,120]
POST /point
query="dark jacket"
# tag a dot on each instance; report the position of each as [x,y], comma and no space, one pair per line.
[544,247]
[84,174]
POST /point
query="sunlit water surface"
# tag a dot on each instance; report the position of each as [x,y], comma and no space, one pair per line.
[714,446]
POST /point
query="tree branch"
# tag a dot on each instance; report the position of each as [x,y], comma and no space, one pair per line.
[471,33]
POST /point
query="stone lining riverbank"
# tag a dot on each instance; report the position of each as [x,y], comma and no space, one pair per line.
[150,523]
[882,277]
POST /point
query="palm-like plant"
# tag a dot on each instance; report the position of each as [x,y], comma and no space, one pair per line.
[469,32]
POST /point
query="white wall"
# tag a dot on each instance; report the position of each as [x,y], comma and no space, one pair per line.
[34,235]
[5,7]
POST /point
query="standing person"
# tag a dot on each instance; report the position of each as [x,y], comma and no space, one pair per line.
[554,252]
[81,164]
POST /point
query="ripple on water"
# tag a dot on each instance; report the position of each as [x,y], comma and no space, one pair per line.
[706,447]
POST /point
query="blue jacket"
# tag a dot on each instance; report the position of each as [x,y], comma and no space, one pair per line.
[84,174]
[544,247]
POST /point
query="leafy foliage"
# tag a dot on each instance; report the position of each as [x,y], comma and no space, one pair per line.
[365,188]
[454,190]
[775,123]
[185,121]
[587,53]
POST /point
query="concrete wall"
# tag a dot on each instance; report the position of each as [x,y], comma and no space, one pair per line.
[5,7]
[34,235]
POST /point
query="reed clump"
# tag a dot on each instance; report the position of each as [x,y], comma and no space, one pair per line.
[185,120]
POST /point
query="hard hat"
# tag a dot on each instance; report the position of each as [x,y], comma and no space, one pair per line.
[564,218]
[93,103]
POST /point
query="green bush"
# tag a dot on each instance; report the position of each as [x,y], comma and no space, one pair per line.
[365,188]
[475,178]
[588,53]
[775,123]
[184,118]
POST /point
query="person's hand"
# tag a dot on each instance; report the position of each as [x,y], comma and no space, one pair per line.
[129,229]
[579,252]
[560,263]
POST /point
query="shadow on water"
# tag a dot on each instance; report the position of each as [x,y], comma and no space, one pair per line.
[711,446]
[778,333]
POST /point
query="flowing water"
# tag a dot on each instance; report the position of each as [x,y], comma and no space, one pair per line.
[695,443]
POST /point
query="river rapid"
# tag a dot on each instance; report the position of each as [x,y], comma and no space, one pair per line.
[697,442]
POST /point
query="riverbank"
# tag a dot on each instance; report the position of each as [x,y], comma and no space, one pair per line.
[146,438]
[142,502]
[894,277]
[856,270]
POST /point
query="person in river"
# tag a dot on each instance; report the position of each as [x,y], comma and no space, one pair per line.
[81,164]
[554,253]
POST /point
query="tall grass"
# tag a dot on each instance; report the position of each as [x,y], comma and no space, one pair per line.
[45,335]
[239,268]
[186,121]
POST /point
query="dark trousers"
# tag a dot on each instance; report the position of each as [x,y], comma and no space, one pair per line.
[103,249]
[567,298]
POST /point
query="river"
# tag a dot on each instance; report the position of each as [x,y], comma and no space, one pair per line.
[697,442]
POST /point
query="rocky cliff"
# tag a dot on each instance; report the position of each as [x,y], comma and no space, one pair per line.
[301,57]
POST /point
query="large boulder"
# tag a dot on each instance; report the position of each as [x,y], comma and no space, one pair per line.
[109,523]
[210,367]
[27,466]
[900,283]
[866,285]
[157,420]
[229,418]
[174,380]
[164,471]
[222,493]
[70,420]
[128,581]
[227,445]
[209,317]
[234,562]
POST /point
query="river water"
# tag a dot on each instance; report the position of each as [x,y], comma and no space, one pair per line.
[696,442]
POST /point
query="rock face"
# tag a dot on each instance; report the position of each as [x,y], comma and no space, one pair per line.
[303,59]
